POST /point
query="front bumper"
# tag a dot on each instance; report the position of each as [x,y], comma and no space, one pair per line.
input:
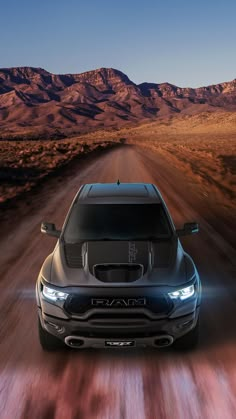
[97,335]
[139,324]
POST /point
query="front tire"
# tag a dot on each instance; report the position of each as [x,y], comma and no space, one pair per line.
[188,341]
[48,342]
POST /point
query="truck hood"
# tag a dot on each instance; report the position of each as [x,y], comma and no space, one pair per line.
[118,264]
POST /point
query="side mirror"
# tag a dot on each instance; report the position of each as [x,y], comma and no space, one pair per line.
[50,229]
[189,228]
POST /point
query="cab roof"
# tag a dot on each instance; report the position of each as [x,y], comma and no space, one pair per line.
[95,193]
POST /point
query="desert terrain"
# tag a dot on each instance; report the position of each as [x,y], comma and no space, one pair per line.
[191,158]
[202,147]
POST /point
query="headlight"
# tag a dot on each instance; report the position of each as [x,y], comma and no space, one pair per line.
[182,294]
[53,295]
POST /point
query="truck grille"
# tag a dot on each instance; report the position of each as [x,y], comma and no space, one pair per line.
[79,304]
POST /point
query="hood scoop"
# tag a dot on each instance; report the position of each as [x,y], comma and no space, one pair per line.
[118,272]
[118,261]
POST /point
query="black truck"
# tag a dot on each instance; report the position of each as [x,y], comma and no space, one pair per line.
[118,275]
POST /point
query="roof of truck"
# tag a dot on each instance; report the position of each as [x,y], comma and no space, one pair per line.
[95,193]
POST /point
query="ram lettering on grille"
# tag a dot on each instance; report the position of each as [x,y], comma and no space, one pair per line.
[118,302]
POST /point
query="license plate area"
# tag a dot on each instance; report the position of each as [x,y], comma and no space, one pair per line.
[120,343]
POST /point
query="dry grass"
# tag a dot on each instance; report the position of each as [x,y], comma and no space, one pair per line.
[23,164]
[208,161]
[203,123]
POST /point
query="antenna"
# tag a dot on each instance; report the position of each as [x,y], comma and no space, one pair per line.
[118,182]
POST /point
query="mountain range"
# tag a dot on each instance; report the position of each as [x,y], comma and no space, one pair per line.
[34,100]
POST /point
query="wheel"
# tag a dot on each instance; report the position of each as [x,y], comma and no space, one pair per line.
[188,341]
[48,341]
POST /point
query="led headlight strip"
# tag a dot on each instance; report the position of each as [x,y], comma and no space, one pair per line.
[54,295]
[183,293]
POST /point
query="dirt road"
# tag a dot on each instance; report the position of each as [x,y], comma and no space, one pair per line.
[116,384]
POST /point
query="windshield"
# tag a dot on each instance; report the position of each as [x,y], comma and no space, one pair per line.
[117,222]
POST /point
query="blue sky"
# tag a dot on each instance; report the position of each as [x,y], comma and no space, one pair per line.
[188,43]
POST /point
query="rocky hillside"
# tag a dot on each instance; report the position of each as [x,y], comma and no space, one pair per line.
[32,100]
